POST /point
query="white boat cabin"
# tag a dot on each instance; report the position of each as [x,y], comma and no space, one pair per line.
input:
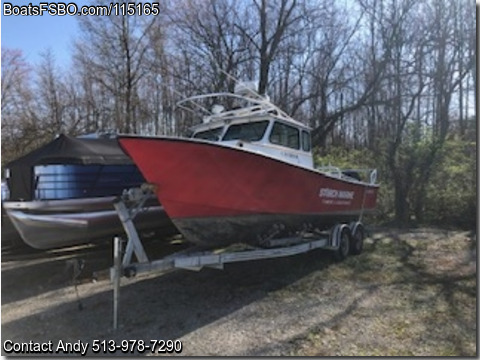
[259,126]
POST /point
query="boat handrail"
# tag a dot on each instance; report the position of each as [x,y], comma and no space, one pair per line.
[371,174]
[331,170]
[261,106]
[194,98]
[251,111]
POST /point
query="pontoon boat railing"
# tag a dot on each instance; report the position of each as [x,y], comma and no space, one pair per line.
[94,180]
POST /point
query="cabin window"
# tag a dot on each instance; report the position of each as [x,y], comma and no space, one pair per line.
[306,144]
[285,135]
[252,131]
[210,134]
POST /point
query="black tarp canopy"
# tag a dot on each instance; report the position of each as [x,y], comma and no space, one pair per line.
[63,150]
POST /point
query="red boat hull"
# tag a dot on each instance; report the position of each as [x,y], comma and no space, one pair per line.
[220,195]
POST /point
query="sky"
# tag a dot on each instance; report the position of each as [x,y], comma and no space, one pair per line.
[35,34]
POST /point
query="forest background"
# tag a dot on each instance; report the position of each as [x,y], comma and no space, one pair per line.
[386,84]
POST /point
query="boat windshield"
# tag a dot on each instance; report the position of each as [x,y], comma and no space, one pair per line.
[251,131]
[285,135]
[210,134]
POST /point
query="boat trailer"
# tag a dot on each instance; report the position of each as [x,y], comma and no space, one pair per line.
[342,239]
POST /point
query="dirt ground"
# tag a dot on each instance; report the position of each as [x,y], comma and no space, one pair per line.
[409,293]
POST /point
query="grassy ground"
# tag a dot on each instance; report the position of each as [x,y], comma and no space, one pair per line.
[415,294]
[411,292]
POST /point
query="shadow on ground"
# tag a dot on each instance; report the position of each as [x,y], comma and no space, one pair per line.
[167,306]
[408,293]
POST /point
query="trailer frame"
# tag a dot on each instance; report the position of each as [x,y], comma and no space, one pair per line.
[338,239]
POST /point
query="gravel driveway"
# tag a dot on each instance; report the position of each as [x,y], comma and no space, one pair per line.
[409,293]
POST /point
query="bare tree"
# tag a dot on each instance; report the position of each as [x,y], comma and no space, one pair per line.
[51,99]
[112,53]
[20,128]
[15,73]
[265,29]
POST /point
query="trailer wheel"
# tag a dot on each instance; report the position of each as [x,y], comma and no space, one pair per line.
[344,241]
[358,235]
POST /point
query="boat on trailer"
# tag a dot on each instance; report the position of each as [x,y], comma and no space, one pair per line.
[62,194]
[246,175]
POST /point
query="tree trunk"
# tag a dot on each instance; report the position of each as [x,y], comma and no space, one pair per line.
[401,202]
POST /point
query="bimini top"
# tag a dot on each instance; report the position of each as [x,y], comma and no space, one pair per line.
[66,149]
[62,150]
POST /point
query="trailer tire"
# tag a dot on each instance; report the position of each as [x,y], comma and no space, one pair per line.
[358,236]
[344,241]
